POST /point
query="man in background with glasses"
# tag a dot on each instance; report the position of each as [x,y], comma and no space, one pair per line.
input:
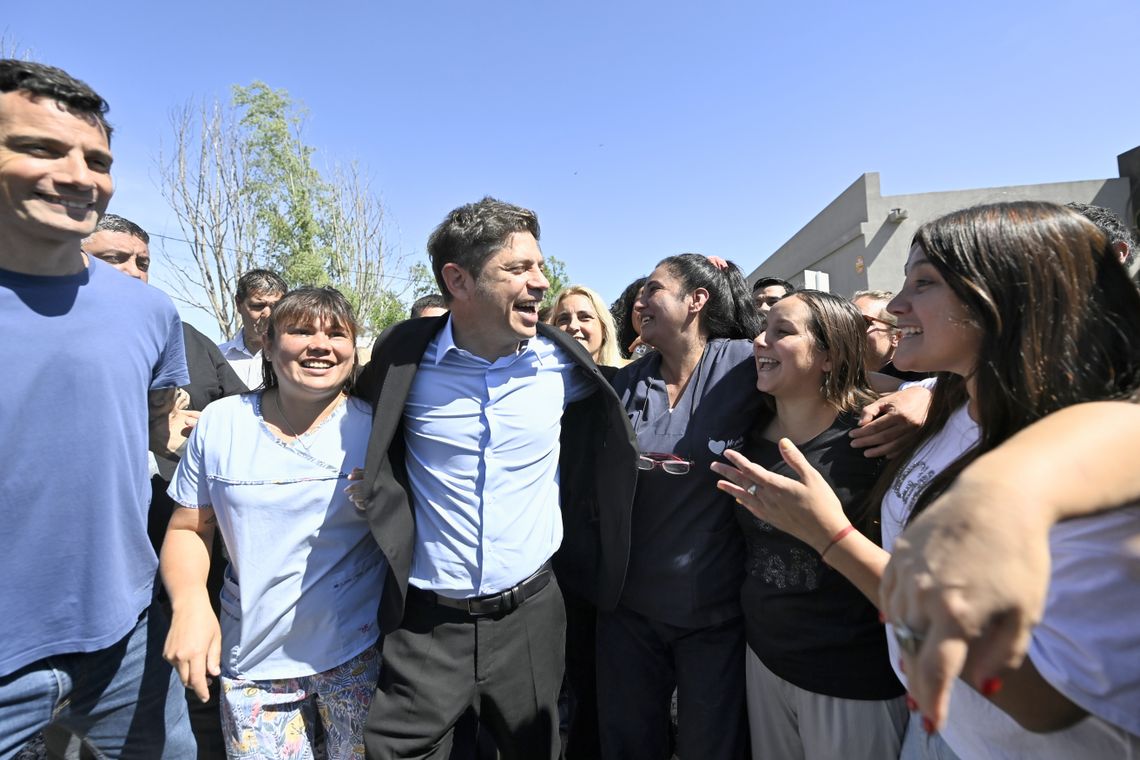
[882,335]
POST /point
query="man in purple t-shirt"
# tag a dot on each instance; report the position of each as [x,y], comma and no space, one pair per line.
[86,350]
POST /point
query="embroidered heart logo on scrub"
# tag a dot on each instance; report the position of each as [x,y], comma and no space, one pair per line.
[718,447]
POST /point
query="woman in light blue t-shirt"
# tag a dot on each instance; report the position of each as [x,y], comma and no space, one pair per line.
[296,641]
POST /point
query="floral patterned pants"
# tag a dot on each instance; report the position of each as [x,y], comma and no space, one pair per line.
[275,719]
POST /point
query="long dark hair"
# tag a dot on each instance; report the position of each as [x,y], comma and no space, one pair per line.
[1059,321]
[622,312]
[730,312]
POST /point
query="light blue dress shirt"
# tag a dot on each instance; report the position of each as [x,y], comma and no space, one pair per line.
[482,457]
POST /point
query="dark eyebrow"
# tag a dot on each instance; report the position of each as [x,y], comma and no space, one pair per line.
[19,140]
[120,252]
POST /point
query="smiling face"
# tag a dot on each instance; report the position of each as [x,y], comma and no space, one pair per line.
[575,315]
[936,331]
[122,250]
[312,360]
[664,308]
[788,361]
[55,172]
[493,313]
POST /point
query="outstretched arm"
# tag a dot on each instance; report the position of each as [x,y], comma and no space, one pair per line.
[886,424]
[973,569]
[807,509]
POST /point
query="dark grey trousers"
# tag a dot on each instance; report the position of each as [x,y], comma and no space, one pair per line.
[440,661]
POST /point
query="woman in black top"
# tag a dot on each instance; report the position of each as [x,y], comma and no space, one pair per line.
[819,684]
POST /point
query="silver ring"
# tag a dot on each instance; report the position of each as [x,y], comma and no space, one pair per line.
[752,489]
[909,640]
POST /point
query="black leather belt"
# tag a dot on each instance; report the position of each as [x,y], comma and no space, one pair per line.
[492,604]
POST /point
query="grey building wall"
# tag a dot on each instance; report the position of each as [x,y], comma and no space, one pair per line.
[861,245]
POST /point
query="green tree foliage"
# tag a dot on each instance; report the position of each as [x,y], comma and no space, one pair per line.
[555,271]
[422,281]
[289,195]
[244,186]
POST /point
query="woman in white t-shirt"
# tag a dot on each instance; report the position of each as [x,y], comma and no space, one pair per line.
[1023,309]
[296,641]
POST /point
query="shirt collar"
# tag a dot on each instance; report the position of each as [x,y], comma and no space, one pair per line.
[240,343]
[446,343]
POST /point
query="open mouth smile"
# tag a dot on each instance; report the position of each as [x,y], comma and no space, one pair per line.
[78,205]
[908,331]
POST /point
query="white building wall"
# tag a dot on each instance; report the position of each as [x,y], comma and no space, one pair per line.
[860,249]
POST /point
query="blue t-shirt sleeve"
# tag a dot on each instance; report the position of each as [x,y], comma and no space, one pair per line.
[190,487]
[170,371]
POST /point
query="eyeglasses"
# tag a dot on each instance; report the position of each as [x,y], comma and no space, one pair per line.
[670,463]
[872,321]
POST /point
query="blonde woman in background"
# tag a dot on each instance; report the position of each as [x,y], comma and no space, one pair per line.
[580,312]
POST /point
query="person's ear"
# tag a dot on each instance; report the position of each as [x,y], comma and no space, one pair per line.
[1121,249]
[698,299]
[458,281]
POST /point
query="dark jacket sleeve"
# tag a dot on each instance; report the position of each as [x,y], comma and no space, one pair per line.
[231,383]
[598,466]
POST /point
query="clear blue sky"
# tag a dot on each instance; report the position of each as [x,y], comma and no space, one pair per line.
[634,129]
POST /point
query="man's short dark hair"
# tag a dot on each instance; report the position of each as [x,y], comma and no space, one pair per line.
[260,281]
[767,282]
[45,81]
[1113,226]
[471,234]
[430,301]
[116,223]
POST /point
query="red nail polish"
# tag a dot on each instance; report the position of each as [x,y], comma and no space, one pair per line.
[927,725]
[882,617]
[991,686]
[911,705]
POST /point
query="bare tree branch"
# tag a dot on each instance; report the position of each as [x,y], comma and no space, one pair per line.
[243,189]
[204,182]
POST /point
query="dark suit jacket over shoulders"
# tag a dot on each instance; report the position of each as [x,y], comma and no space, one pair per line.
[598,471]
